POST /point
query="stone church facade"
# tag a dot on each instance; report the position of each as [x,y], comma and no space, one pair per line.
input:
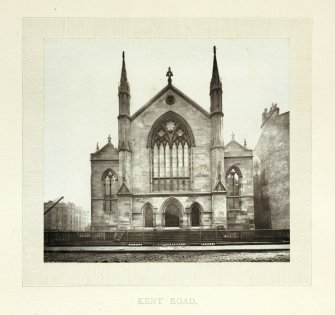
[171,169]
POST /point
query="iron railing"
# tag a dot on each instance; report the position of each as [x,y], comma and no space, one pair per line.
[166,237]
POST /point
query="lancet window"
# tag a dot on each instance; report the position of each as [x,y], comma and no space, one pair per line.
[109,179]
[148,216]
[233,180]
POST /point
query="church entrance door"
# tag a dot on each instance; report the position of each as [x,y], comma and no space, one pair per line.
[172,216]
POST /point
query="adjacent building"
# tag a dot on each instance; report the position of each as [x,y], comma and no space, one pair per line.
[65,217]
[272,171]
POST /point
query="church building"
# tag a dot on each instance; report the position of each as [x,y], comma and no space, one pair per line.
[171,169]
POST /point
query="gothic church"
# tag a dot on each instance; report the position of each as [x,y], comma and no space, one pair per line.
[171,169]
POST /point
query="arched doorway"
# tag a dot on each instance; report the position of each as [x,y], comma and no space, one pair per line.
[148,216]
[195,215]
[172,214]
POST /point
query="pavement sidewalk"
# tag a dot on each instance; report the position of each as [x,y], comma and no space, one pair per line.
[127,249]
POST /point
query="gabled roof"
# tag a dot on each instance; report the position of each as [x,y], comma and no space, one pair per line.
[177,91]
[107,151]
[233,148]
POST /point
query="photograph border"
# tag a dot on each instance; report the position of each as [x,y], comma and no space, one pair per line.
[296,272]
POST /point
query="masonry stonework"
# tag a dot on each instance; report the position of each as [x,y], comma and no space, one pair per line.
[171,169]
[271,171]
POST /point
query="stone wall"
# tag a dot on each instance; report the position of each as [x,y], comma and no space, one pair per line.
[158,202]
[129,211]
[271,172]
[106,158]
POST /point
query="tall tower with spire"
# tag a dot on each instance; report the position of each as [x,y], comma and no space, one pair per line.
[125,152]
[217,148]
[124,123]
[216,116]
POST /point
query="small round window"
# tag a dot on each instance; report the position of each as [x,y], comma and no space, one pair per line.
[170,100]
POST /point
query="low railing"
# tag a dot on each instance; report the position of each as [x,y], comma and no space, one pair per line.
[166,237]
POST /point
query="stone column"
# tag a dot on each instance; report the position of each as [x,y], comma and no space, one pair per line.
[158,219]
[154,210]
[219,210]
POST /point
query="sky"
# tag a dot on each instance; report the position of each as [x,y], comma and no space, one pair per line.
[81,79]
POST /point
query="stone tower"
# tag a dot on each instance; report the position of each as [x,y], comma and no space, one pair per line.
[124,147]
[217,148]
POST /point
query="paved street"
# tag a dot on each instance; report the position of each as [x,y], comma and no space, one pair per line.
[245,256]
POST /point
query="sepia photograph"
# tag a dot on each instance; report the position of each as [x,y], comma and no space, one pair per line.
[166,150]
[161,157]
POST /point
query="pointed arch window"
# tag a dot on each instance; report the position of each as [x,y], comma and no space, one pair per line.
[170,142]
[233,180]
[148,214]
[109,179]
[195,214]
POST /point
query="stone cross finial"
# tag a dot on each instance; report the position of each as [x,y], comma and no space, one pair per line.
[169,74]
[232,136]
[245,142]
[97,146]
[109,139]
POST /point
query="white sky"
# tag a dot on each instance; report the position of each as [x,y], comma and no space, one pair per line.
[81,85]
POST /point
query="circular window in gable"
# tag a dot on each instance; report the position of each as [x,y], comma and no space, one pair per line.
[170,99]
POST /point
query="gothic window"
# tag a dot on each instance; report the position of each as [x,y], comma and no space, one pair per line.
[195,215]
[172,215]
[233,180]
[148,216]
[170,143]
[109,179]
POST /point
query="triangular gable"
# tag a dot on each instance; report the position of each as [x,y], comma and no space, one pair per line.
[177,91]
[234,145]
[108,151]
[123,190]
[219,187]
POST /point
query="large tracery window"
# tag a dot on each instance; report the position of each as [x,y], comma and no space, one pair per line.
[233,180]
[170,143]
[109,179]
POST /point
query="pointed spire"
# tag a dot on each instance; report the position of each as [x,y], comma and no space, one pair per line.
[97,148]
[215,90]
[124,84]
[215,81]
[109,139]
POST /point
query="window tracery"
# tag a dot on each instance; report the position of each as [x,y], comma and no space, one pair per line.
[170,142]
[233,180]
[109,179]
